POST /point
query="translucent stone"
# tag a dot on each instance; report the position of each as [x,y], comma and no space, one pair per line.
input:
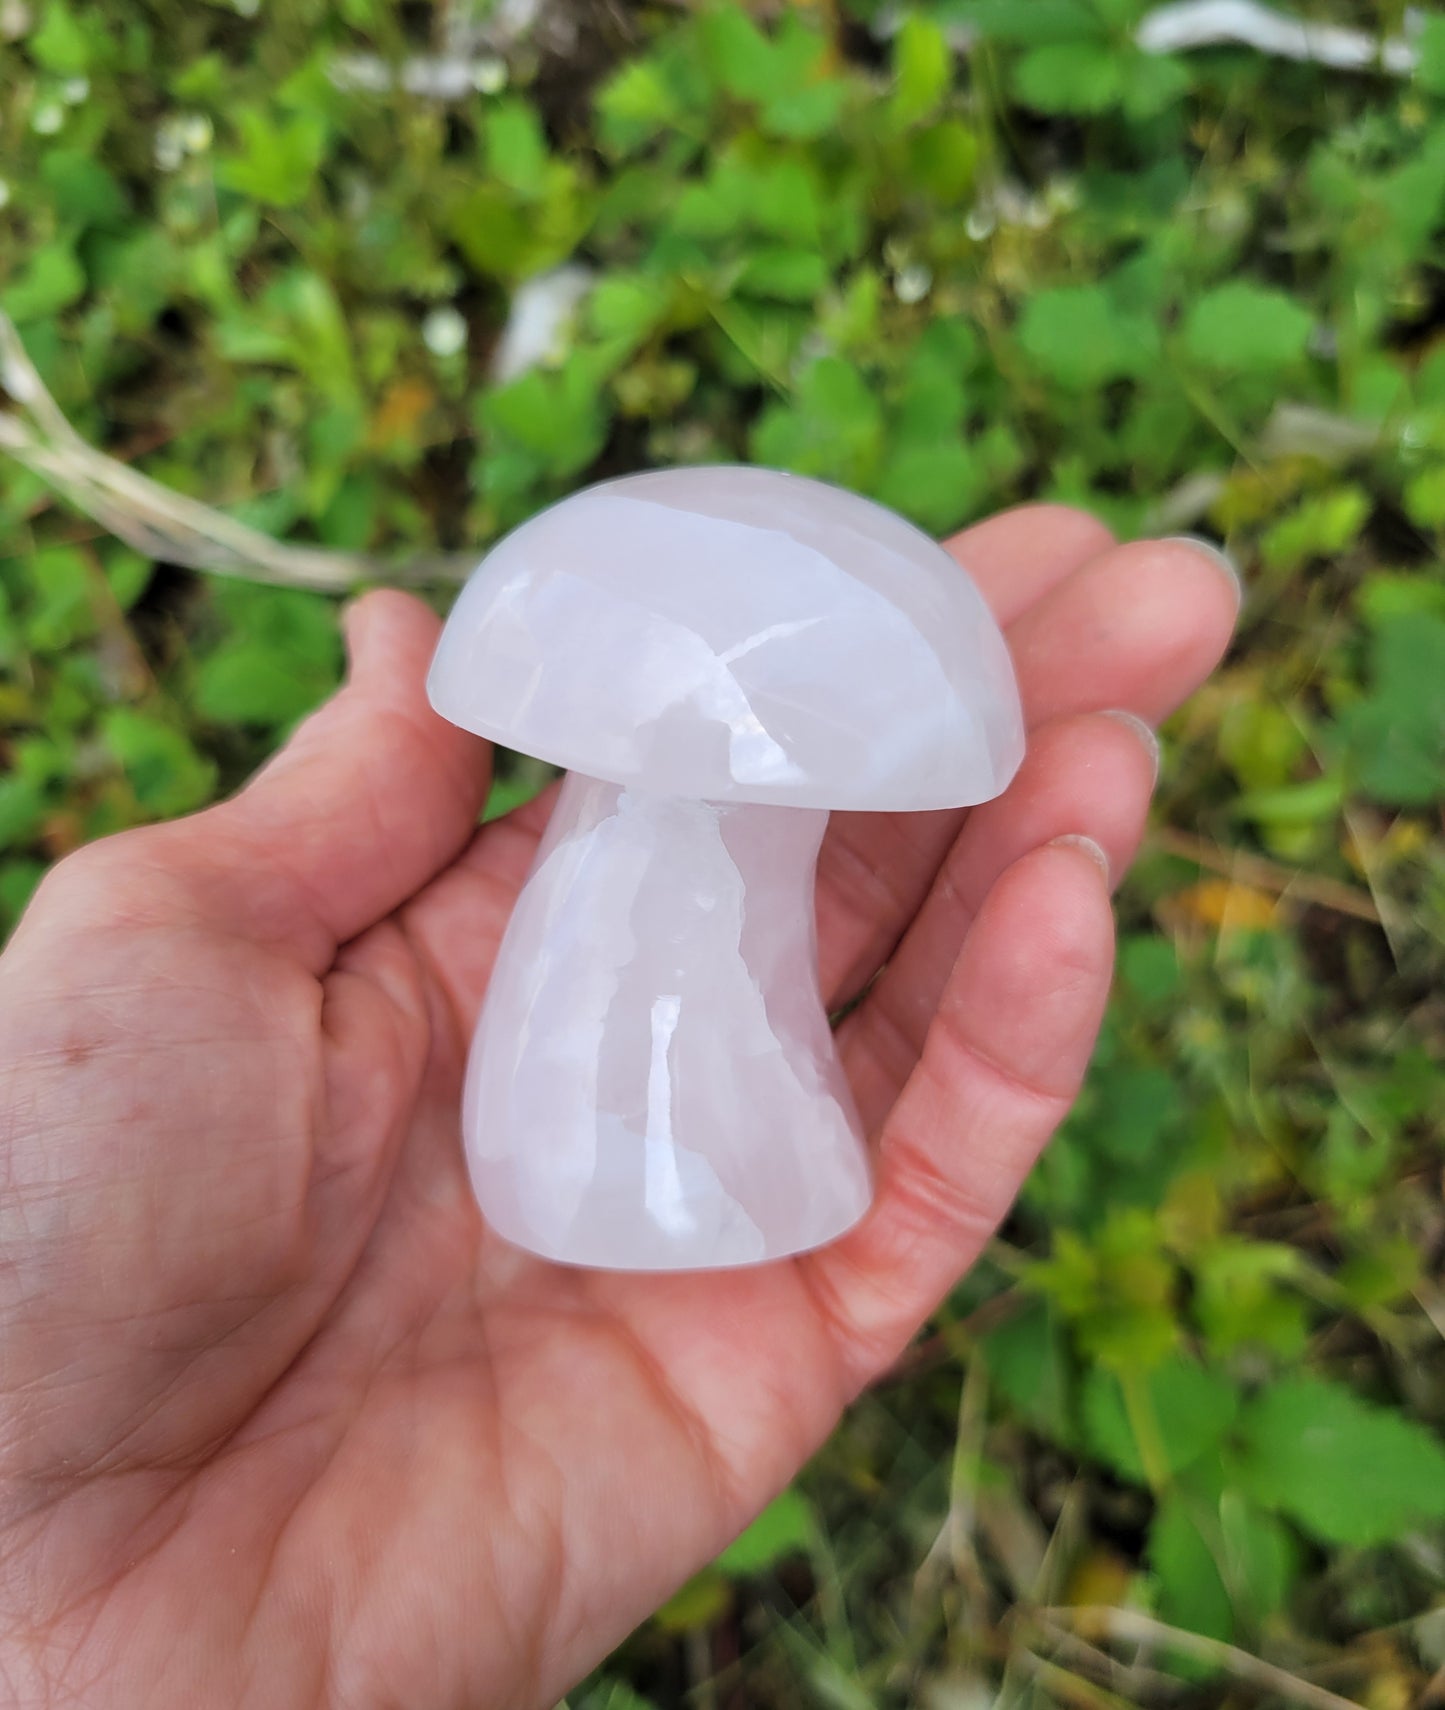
[719,655]
[653,1083]
[734,634]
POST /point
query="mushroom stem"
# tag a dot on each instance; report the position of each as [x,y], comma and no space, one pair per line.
[659,979]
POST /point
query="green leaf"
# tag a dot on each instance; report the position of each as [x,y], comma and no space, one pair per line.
[1430,44]
[83,192]
[22,808]
[1192,1589]
[783,74]
[1261,743]
[1395,736]
[1310,803]
[943,160]
[275,633]
[1117,1289]
[1028,1362]
[1078,336]
[495,233]
[524,779]
[832,429]
[922,68]
[1241,1299]
[1346,1471]
[1188,1408]
[634,106]
[627,307]
[1149,968]
[1242,328]
[558,416]
[1383,596]
[278,159]
[1260,1556]
[510,237]
[62,610]
[516,147]
[1318,527]
[129,575]
[51,281]
[62,44]
[794,275]
[786,1527]
[1132,1108]
[740,56]
[250,682]
[612,1695]
[1153,83]
[811,110]
[1027,24]
[1076,77]
[166,773]
[18,881]
[934,485]
[1425,497]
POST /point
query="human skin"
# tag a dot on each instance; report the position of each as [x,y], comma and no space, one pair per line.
[280,1425]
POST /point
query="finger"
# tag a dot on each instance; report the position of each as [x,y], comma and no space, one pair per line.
[1017,556]
[1004,1059]
[1090,775]
[1138,627]
[874,869]
[371,797]
[1126,631]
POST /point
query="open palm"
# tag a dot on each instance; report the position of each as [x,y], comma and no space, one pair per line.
[281,1424]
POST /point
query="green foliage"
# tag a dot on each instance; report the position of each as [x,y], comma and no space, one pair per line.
[1396,731]
[1347,1472]
[1079,336]
[281,657]
[1240,328]
[1197,293]
[785,1527]
[162,767]
[1154,1425]
[276,160]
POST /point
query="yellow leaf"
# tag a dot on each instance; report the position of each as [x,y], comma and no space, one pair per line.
[1229,907]
[1101,1577]
[1192,1213]
[704,1599]
[399,413]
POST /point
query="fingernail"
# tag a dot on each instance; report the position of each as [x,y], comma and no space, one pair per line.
[1147,739]
[1085,846]
[1218,557]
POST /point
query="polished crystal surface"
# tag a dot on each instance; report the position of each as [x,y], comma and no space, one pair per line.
[719,655]
[735,634]
[653,1083]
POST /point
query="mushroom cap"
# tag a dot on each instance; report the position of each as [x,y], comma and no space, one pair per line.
[735,634]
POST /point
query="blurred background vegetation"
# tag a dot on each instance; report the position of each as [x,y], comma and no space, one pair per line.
[385,277]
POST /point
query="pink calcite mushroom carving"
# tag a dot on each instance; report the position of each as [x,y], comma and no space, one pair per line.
[719,656]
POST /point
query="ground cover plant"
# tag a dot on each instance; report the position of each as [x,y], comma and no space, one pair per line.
[1179,1440]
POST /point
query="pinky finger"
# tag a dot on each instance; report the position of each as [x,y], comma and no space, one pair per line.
[1002,1063]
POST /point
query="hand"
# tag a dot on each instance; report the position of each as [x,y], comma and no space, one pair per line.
[280,1424]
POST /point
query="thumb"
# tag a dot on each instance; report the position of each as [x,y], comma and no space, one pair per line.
[373,795]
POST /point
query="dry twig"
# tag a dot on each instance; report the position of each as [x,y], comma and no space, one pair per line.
[165,524]
[1133,1627]
[1267,875]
